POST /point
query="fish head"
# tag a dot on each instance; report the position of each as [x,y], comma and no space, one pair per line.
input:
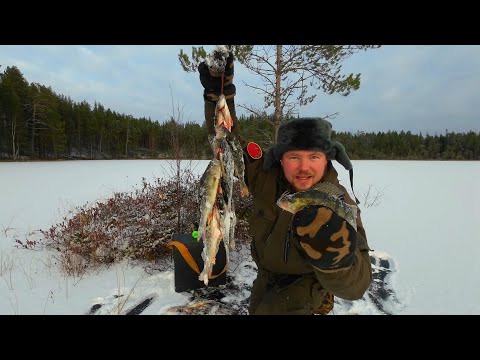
[284,202]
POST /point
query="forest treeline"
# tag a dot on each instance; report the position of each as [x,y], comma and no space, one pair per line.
[37,123]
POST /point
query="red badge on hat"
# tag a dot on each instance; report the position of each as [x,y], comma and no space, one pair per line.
[254,150]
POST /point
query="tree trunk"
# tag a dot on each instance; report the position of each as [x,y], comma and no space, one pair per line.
[126,141]
[14,132]
[278,79]
[100,145]
[32,141]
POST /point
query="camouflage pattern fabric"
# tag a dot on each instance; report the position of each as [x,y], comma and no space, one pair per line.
[324,239]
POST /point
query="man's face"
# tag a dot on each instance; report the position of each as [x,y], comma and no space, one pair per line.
[303,168]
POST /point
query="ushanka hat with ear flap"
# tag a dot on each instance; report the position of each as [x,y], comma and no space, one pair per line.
[313,134]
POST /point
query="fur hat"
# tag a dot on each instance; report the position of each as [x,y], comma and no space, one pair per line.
[306,134]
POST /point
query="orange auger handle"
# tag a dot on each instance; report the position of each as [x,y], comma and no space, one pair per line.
[189,258]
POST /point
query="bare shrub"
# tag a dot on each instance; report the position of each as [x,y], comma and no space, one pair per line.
[136,225]
[7,264]
[372,197]
[129,225]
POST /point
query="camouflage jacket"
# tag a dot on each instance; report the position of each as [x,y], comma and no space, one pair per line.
[287,284]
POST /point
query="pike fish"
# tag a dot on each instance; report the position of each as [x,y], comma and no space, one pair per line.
[222,113]
[226,183]
[238,162]
[208,193]
[211,243]
[325,194]
[223,132]
[225,142]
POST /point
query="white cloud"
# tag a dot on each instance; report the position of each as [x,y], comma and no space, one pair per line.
[403,87]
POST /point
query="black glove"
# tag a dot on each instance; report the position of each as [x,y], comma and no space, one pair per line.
[323,238]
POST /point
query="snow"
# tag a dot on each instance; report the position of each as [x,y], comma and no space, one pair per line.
[420,216]
[217,58]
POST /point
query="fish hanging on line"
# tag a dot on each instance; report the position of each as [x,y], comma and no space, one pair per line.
[217,210]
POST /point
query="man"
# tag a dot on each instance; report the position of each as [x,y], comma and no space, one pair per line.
[299,272]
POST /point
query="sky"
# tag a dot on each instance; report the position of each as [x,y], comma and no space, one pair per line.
[417,88]
[420,216]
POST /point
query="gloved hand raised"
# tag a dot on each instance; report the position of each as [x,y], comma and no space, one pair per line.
[323,238]
[219,61]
